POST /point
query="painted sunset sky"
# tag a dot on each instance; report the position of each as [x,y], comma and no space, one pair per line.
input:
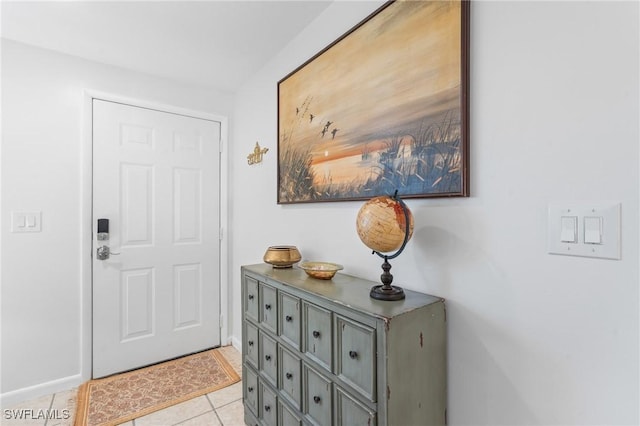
[398,71]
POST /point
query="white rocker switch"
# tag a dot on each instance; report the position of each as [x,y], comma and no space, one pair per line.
[593,230]
[569,229]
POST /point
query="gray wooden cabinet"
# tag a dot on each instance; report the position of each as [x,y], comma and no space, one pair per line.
[324,353]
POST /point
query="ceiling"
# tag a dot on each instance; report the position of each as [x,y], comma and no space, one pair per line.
[217,44]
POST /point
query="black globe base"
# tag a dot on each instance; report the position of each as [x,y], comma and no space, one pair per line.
[387,292]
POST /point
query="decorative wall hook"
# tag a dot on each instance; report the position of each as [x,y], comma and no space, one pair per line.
[256,156]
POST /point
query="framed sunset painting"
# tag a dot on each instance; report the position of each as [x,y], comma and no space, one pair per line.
[382,109]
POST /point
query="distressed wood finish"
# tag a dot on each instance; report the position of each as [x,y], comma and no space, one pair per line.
[325,353]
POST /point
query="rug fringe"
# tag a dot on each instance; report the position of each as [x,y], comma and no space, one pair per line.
[82,405]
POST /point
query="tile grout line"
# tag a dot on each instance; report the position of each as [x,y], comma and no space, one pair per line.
[46,420]
[229,403]
[191,418]
[215,412]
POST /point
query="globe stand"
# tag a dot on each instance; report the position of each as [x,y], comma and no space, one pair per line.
[386,291]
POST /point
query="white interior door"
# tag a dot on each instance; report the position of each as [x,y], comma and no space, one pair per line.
[156,179]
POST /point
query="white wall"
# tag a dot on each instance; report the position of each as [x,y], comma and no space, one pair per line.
[43,149]
[533,338]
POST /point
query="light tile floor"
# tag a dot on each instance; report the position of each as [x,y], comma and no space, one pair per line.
[220,408]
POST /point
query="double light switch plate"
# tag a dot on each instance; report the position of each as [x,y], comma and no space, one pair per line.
[588,230]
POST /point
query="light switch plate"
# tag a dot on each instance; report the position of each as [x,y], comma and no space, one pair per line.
[26,221]
[607,214]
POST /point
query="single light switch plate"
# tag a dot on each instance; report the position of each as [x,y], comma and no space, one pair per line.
[26,221]
[597,232]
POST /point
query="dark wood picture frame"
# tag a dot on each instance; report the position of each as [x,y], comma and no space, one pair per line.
[383,108]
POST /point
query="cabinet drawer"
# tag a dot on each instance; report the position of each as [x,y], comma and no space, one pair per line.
[317,396]
[268,405]
[355,355]
[289,311]
[317,338]
[268,357]
[350,412]
[251,298]
[286,417]
[250,383]
[251,344]
[289,376]
[268,307]
[250,419]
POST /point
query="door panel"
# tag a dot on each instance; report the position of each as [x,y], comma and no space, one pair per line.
[187,282]
[136,185]
[138,301]
[156,178]
[186,205]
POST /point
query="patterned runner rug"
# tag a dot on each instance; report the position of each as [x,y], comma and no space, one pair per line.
[122,397]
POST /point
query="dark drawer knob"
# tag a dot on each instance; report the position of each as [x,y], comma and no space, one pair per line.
[289,318]
[251,297]
[250,388]
[250,342]
[316,399]
[289,376]
[353,354]
[316,333]
[267,357]
[267,408]
[267,307]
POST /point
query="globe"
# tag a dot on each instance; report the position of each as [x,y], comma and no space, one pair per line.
[381,224]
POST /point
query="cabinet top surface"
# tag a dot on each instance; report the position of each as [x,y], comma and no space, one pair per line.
[345,290]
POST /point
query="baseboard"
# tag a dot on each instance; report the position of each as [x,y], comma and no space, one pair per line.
[236,343]
[11,398]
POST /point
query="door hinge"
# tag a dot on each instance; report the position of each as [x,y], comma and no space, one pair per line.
[221,233]
[221,321]
[221,144]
